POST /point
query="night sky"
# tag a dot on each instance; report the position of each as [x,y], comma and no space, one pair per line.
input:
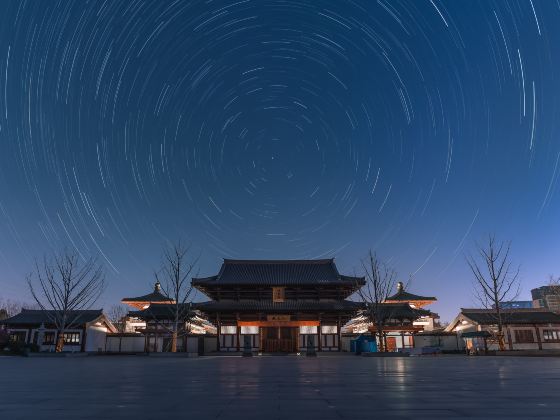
[280,129]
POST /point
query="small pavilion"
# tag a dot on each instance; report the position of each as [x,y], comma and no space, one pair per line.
[403,317]
[143,302]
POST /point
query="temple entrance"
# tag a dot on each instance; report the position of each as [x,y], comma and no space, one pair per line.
[279,339]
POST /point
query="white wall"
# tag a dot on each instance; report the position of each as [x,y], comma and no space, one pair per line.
[95,338]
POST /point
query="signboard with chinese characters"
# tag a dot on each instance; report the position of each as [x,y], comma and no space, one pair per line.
[278,317]
[278,294]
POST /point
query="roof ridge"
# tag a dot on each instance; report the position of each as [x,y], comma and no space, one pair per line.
[281,261]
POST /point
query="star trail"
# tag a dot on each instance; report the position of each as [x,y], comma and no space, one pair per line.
[280,129]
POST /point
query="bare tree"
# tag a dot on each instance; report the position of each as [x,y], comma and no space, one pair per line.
[10,307]
[117,315]
[177,268]
[496,281]
[380,280]
[62,285]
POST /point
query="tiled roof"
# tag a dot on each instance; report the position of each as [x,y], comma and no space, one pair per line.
[155,296]
[278,272]
[163,311]
[404,296]
[286,306]
[388,311]
[512,316]
[409,297]
[38,316]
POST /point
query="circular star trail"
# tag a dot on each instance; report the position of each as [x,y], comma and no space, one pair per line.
[277,129]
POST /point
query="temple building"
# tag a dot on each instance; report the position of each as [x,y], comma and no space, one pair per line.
[403,316]
[136,324]
[279,304]
[427,319]
[152,318]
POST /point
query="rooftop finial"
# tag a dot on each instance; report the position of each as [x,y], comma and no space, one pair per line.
[400,287]
[157,286]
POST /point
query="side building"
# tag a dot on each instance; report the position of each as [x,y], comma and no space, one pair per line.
[524,329]
[279,304]
[86,330]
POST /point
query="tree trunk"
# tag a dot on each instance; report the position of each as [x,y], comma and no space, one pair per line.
[501,341]
[379,334]
[174,342]
[59,342]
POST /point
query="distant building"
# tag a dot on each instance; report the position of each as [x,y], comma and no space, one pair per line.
[547,297]
[524,329]
[516,304]
[87,331]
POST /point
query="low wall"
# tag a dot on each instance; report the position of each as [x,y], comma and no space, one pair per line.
[125,344]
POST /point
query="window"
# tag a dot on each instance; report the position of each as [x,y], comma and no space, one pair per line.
[278,294]
[329,329]
[18,336]
[72,338]
[524,336]
[228,329]
[307,329]
[551,335]
[249,330]
[48,338]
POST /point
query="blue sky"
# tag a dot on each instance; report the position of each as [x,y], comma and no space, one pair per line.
[268,129]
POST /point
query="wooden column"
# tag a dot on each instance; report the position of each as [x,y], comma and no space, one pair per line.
[83,339]
[319,336]
[218,331]
[339,333]
[538,336]
[402,339]
[238,333]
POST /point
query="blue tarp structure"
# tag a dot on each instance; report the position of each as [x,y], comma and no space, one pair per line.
[363,344]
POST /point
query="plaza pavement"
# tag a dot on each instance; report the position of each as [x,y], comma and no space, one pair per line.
[281,387]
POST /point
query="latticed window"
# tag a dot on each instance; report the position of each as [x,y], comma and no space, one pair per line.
[72,338]
[48,338]
[524,336]
[17,336]
[551,335]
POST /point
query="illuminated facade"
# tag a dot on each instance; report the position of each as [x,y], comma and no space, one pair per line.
[278,304]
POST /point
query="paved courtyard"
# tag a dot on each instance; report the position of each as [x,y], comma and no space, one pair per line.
[334,387]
